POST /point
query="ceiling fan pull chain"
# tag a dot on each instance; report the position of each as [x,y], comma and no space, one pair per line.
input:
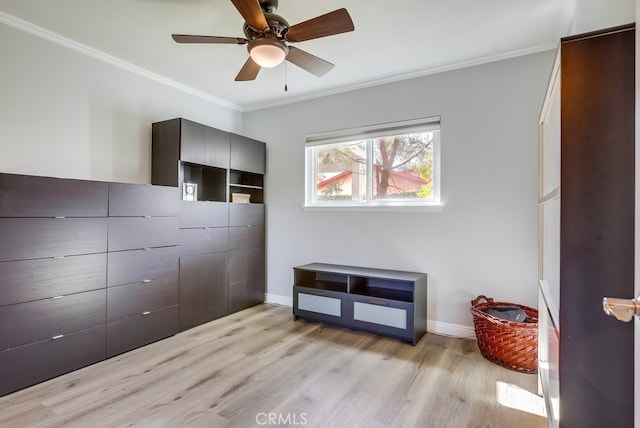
[285,77]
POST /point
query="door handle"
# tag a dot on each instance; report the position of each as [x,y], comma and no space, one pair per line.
[622,309]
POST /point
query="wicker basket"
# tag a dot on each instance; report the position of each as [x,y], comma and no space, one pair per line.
[510,344]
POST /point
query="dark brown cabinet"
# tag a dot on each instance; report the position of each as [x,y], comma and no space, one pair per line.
[82,265]
[386,302]
[586,213]
[222,242]
[204,292]
[247,154]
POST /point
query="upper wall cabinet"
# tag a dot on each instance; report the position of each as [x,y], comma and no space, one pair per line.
[207,164]
[247,154]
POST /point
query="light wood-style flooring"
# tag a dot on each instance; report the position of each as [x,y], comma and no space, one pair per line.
[259,368]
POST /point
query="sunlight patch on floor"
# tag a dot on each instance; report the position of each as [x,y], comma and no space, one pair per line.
[517,398]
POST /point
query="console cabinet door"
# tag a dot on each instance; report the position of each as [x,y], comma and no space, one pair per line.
[247,154]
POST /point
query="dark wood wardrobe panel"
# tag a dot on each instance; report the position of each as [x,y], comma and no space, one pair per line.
[204,290]
[246,278]
[139,265]
[246,215]
[246,237]
[26,280]
[596,227]
[29,196]
[33,238]
[129,233]
[143,200]
[194,242]
[43,319]
[25,365]
[194,214]
[130,333]
[247,154]
[135,299]
[4,328]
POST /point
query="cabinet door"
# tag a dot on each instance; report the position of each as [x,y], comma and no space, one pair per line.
[204,290]
[194,242]
[246,278]
[43,319]
[34,238]
[130,233]
[28,196]
[27,280]
[246,214]
[247,154]
[140,297]
[383,316]
[141,265]
[203,214]
[138,200]
[130,333]
[204,145]
[27,365]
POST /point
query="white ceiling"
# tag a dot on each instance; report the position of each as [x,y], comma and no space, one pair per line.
[393,40]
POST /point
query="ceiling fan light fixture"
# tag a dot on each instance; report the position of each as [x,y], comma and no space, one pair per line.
[267,52]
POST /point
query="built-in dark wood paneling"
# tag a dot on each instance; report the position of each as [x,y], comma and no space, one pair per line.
[246,278]
[130,333]
[203,144]
[134,299]
[195,214]
[27,365]
[246,215]
[26,280]
[204,289]
[129,233]
[165,152]
[143,200]
[247,154]
[203,241]
[4,328]
[139,265]
[246,237]
[29,196]
[32,238]
[43,319]
[596,227]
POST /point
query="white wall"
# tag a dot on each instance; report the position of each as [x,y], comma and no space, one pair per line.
[592,15]
[485,239]
[65,114]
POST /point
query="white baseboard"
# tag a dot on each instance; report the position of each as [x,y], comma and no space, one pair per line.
[435,327]
[448,329]
[276,299]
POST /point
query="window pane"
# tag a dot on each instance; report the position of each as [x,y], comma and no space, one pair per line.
[341,171]
[403,166]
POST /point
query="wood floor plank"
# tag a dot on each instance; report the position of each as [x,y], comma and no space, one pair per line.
[260,366]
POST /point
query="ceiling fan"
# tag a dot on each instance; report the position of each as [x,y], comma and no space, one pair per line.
[267,36]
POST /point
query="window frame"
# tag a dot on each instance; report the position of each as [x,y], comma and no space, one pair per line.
[368,133]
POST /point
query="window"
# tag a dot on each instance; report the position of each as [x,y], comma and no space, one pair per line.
[393,164]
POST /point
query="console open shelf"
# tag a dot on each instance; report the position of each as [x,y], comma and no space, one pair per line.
[387,302]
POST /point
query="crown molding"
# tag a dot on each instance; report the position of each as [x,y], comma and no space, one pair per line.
[60,40]
[408,76]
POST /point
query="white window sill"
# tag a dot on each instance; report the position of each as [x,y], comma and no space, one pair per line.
[376,208]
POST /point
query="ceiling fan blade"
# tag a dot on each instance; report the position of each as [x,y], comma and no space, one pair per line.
[252,13]
[249,71]
[308,62]
[187,38]
[336,22]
